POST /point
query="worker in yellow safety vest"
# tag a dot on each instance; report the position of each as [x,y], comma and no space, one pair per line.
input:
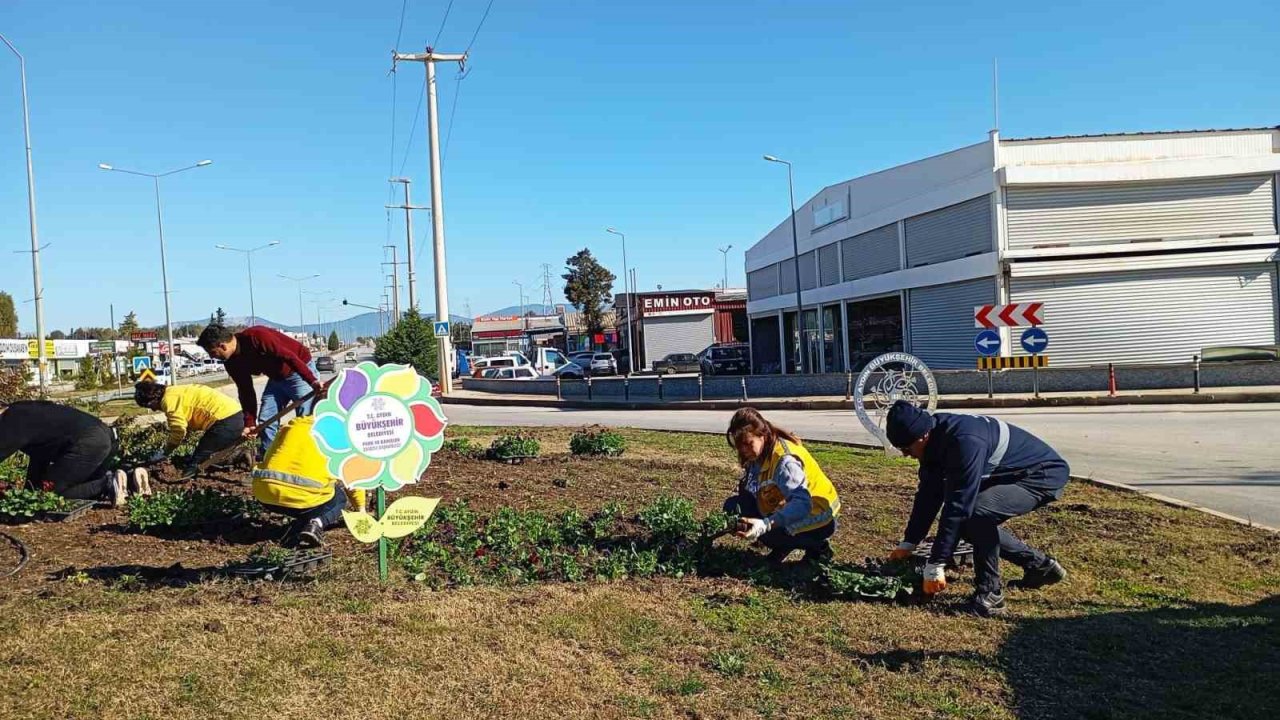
[785,502]
[293,479]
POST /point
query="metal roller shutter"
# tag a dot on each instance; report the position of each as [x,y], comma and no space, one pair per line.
[950,233]
[808,271]
[1152,316]
[1122,212]
[872,253]
[763,283]
[941,321]
[829,265]
[677,334]
[787,277]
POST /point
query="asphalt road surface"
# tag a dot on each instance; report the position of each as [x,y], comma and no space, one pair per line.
[1224,457]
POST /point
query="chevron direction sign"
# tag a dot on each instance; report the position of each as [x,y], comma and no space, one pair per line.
[1015,315]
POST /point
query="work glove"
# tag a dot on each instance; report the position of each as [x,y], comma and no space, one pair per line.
[751,529]
[935,578]
[902,552]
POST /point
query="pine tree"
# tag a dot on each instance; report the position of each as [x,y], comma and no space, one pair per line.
[129,325]
[411,342]
[334,342]
[8,317]
[588,285]
[219,318]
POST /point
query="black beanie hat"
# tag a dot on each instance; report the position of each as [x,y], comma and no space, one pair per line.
[906,423]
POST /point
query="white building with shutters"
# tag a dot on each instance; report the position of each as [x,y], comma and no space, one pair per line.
[1144,247]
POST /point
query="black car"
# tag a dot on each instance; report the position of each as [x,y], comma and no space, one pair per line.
[676,363]
[324,363]
[734,359]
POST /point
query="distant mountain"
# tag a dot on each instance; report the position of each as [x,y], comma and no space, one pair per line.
[363,325]
[537,309]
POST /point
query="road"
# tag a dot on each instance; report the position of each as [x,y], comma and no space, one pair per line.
[1224,457]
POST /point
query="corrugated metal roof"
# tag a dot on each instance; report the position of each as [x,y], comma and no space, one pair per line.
[1135,134]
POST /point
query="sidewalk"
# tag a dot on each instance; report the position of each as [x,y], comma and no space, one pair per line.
[1268,393]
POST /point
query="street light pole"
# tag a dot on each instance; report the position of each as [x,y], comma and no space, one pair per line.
[164,265]
[520,286]
[724,283]
[41,357]
[302,323]
[795,250]
[627,288]
[248,256]
[408,208]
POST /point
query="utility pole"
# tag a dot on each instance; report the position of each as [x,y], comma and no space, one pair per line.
[41,358]
[395,284]
[408,208]
[547,300]
[429,59]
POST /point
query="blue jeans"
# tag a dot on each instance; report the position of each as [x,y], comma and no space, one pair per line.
[329,513]
[279,393]
[744,505]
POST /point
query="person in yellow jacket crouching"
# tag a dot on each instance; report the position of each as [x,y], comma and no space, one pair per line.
[197,408]
[293,479]
[784,500]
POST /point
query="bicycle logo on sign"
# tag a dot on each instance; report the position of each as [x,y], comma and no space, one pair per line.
[886,380]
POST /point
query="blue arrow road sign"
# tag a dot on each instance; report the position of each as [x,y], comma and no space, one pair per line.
[1035,340]
[442,329]
[141,363]
[987,343]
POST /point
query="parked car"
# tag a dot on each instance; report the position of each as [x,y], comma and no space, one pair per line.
[351,357]
[727,359]
[581,359]
[324,363]
[505,361]
[677,363]
[603,363]
[570,371]
[524,372]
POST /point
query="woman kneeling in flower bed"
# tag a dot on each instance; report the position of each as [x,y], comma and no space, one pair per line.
[784,499]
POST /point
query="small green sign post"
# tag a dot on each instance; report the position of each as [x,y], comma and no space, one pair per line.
[379,426]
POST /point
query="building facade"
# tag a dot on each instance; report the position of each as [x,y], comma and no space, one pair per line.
[1144,248]
[681,321]
[493,335]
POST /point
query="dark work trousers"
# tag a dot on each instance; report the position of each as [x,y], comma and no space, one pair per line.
[992,542]
[329,513]
[220,436]
[79,471]
[744,505]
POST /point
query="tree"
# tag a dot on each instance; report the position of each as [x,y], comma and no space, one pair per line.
[334,342]
[129,325]
[460,334]
[57,335]
[15,384]
[8,317]
[87,377]
[218,318]
[410,342]
[588,285]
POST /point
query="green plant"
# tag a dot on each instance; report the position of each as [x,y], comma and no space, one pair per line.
[139,441]
[13,471]
[852,582]
[186,508]
[269,555]
[514,445]
[410,342]
[591,441]
[670,519]
[24,504]
[463,446]
[729,663]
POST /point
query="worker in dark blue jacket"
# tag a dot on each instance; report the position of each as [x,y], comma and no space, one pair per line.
[980,472]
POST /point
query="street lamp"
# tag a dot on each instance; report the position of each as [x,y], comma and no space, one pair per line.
[31,220]
[724,284]
[626,288]
[795,249]
[302,323]
[248,256]
[164,266]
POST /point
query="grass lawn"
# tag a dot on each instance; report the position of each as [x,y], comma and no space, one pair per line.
[1168,613]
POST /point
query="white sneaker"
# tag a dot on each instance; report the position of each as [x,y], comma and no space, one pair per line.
[140,482]
[119,488]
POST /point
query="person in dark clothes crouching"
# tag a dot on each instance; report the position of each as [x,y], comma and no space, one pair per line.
[70,452]
[980,472]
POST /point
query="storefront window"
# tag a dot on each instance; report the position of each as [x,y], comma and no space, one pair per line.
[832,346]
[765,353]
[791,336]
[875,328]
[812,346]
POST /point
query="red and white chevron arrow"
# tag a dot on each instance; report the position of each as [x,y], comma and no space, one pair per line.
[1015,315]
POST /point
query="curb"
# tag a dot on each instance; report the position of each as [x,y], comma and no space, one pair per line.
[944,403]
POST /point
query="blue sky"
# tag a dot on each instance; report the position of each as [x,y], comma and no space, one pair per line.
[575,116]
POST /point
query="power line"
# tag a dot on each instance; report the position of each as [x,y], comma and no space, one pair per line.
[453,109]
[413,128]
[442,23]
[477,32]
[399,33]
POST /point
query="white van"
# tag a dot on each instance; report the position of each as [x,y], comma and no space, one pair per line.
[545,360]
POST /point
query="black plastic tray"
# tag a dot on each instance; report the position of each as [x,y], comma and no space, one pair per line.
[513,459]
[301,562]
[76,509]
[963,553]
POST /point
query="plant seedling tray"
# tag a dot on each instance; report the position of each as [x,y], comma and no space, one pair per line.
[301,562]
[513,459]
[75,508]
[963,554]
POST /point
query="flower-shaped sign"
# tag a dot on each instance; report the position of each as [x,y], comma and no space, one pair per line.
[378,426]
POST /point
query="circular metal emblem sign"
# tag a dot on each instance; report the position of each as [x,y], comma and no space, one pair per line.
[887,379]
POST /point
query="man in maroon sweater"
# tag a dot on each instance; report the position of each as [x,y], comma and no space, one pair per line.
[290,371]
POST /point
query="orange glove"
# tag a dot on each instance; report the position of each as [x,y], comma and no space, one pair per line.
[902,552]
[935,579]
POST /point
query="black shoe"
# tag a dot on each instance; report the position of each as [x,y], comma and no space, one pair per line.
[820,555]
[1034,578]
[987,604]
[312,535]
